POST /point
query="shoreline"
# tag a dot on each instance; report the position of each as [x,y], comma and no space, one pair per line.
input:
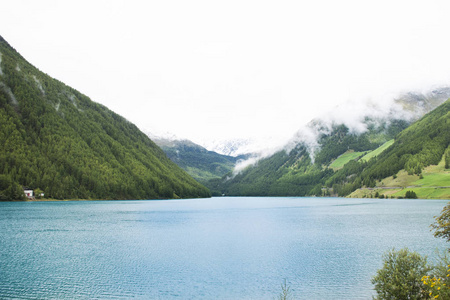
[363,198]
[62,200]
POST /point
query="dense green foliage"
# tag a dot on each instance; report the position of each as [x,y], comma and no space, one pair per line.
[439,282]
[406,275]
[400,276]
[420,145]
[441,226]
[282,174]
[58,140]
[293,173]
[340,140]
[447,158]
[10,189]
[198,162]
[410,195]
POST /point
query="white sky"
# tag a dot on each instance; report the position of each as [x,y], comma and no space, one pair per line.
[232,69]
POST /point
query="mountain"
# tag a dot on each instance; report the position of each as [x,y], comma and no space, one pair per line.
[57,140]
[419,104]
[329,155]
[418,160]
[232,147]
[198,162]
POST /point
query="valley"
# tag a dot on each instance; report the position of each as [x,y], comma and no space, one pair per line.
[345,163]
[51,131]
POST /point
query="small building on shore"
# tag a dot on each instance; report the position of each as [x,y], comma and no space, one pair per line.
[29,193]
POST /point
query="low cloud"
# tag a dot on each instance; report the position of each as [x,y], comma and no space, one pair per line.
[357,116]
[39,85]
[254,158]
[10,94]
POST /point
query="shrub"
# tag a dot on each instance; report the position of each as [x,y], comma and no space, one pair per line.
[401,276]
[410,195]
[438,284]
[441,226]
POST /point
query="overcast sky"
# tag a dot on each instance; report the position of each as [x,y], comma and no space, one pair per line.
[232,69]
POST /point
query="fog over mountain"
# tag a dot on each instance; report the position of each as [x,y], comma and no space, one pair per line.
[357,116]
[240,69]
[236,147]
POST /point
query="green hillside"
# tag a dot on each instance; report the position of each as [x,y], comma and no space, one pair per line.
[197,161]
[282,174]
[413,154]
[420,145]
[418,160]
[377,151]
[434,182]
[293,173]
[339,162]
[59,141]
[340,166]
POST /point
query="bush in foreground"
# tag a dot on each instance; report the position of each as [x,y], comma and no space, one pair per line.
[406,275]
[401,276]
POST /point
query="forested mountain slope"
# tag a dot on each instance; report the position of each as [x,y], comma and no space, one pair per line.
[298,171]
[200,163]
[418,146]
[57,140]
[311,168]
[419,160]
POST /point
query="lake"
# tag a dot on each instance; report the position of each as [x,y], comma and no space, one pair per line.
[219,248]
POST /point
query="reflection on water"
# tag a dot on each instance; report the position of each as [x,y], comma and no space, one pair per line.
[223,248]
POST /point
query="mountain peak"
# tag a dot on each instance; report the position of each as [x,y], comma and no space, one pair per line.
[2,40]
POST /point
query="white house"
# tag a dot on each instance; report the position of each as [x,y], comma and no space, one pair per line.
[28,192]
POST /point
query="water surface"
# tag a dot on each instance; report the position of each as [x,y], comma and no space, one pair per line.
[219,248]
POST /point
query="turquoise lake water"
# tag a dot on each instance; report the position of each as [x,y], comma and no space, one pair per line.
[219,248]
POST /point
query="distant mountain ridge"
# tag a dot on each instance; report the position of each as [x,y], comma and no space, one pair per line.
[421,103]
[231,147]
[200,163]
[57,140]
